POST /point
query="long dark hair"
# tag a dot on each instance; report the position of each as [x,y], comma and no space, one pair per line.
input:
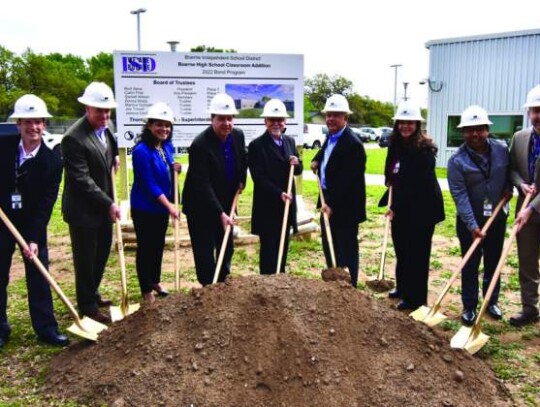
[418,140]
[148,138]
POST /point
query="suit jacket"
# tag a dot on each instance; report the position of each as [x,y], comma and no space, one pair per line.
[416,191]
[269,167]
[519,164]
[39,180]
[207,192]
[345,180]
[87,193]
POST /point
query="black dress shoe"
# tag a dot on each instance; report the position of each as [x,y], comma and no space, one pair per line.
[404,305]
[494,312]
[54,338]
[99,317]
[161,292]
[468,317]
[522,319]
[393,294]
[102,303]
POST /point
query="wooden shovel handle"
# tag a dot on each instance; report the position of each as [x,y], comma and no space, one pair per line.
[496,274]
[327,226]
[22,243]
[225,239]
[120,245]
[385,239]
[284,226]
[465,259]
[176,236]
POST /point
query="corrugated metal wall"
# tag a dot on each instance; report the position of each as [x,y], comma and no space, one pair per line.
[495,73]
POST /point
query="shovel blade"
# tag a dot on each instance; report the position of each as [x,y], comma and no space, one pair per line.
[425,314]
[88,329]
[469,339]
[119,313]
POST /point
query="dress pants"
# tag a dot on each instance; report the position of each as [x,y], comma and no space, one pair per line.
[490,248]
[40,301]
[206,237]
[345,239]
[528,245]
[269,247]
[150,229]
[412,244]
[91,248]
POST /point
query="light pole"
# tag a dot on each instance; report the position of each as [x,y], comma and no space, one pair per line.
[405,84]
[395,66]
[138,13]
[173,45]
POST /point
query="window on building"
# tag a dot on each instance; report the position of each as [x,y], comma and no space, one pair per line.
[503,127]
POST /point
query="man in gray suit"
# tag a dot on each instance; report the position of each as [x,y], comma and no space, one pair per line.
[525,174]
[90,152]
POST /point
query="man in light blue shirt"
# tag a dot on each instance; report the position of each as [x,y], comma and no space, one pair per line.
[341,164]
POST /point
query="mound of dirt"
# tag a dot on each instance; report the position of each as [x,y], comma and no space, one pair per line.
[272,341]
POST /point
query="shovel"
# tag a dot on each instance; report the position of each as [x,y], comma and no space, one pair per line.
[86,327]
[380,284]
[333,273]
[125,309]
[225,239]
[284,227]
[472,339]
[176,237]
[432,316]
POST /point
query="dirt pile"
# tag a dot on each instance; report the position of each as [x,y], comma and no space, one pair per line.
[272,341]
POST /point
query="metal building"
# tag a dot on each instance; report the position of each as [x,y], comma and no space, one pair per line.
[494,71]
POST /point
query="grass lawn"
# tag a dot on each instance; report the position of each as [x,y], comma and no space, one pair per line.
[375,161]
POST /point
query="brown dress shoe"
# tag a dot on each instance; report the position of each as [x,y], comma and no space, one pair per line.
[99,317]
[102,303]
[522,319]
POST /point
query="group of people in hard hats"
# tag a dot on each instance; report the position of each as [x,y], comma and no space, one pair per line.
[481,174]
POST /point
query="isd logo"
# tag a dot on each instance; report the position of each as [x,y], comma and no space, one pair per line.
[138,64]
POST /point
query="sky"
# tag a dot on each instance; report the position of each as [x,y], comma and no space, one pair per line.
[355,39]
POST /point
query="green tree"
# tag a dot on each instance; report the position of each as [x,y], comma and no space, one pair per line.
[204,48]
[321,86]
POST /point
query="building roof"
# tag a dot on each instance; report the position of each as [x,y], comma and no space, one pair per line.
[483,37]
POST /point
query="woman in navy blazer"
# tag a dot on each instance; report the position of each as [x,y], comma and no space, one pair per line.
[151,196]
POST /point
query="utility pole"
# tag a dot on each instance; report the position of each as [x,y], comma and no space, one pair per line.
[405,84]
[395,66]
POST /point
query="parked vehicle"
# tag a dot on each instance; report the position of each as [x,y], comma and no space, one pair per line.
[314,135]
[53,142]
[8,129]
[371,133]
[361,136]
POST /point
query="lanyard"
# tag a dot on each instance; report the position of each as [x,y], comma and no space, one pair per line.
[474,159]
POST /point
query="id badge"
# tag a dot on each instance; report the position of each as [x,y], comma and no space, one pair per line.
[488,208]
[16,201]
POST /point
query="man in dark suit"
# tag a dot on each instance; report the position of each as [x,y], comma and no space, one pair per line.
[217,170]
[29,184]
[270,157]
[90,152]
[525,175]
[341,164]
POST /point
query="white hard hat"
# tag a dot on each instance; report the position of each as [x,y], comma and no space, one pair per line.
[98,94]
[222,104]
[408,110]
[30,107]
[160,111]
[474,116]
[533,97]
[274,108]
[337,103]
